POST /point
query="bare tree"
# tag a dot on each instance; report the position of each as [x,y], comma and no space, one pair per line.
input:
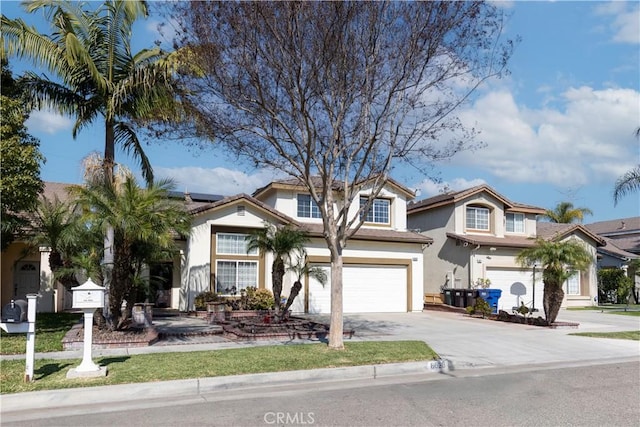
[332,93]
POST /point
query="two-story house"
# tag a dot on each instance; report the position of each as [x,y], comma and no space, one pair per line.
[478,234]
[622,237]
[383,261]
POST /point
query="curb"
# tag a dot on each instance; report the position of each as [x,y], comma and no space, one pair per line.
[62,398]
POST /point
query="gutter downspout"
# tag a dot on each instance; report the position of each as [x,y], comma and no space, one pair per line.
[472,262]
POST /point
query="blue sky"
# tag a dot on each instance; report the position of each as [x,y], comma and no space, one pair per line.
[560,127]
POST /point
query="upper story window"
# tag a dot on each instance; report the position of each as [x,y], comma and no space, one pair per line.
[515,222]
[379,212]
[477,218]
[233,244]
[307,207]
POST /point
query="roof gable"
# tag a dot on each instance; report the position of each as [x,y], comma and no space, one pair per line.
[316,181]
[239,199]
[552,230]
[454,197]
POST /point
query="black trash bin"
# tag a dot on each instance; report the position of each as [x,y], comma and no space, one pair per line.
[458,297]
[470,297]
[448,296]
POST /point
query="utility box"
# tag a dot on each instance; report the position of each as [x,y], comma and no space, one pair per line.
[88,295]
[15,311]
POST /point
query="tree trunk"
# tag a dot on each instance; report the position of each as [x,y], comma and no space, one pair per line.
[109,240]
[336,325]
[277,275]
[107,275]
[553,296]
[293,294]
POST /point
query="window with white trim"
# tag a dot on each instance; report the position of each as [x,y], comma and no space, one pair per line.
[234,276]
[379,212]
[573,284]
[515,222]
[477,218]
[233,244]
[307,207]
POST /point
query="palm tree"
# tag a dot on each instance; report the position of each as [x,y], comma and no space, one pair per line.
[97,77]
[144,221]
[559,259]
[565,213]
[58,226]
[282,242]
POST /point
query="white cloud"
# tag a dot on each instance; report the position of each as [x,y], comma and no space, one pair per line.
[626,20]
[48,121]
[218,180]
[428,188]
[587,138]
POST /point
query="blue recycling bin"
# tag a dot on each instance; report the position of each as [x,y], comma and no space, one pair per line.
[491,296]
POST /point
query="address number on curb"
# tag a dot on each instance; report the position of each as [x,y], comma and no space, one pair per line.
[438,365]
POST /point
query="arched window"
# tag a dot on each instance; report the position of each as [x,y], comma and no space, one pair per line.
[477,218]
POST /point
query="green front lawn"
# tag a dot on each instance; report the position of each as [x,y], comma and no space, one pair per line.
[50,329]
[625,313]
[607,307]
[626,335]
[51,374]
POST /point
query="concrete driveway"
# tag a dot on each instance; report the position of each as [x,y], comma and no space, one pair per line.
[470,342]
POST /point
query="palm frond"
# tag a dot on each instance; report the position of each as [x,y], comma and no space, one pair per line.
[126,137]
[627,183]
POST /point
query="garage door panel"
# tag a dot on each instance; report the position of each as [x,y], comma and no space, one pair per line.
[366,289]
[517,287]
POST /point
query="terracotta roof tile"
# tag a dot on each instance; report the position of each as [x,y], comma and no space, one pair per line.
[378,234]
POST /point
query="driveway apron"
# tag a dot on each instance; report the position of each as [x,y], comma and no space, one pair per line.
[472,342]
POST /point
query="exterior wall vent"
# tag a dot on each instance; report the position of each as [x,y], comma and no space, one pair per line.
[241,210]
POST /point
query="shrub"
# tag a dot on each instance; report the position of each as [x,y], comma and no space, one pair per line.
[480,307]
[260,299]
[252,298]
[203,298]
[613,286]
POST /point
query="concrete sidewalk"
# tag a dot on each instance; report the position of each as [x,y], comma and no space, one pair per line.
[462,343]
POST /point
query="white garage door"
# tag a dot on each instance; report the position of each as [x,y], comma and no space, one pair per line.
[366,289]
[517,287]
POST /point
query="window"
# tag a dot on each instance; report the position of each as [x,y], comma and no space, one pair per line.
[477,218]
[379,212]
[515,222]
[573,284]
[233,276]
[231,243]
[307,207]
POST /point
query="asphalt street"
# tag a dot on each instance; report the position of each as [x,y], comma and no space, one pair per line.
[600,395]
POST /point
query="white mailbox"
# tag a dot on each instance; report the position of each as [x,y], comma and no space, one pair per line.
[88,295]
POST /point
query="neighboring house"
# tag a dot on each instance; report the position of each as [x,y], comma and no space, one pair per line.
[622,237]
[25,269]
[383,261]
[478,233]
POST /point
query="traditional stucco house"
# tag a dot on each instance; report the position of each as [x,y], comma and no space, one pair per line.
[622,238]
[478,234]
[383,261]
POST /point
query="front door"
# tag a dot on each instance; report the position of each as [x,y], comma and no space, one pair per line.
[27,279]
